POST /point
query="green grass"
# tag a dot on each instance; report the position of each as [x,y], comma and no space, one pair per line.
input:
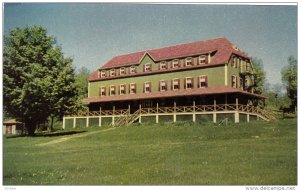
[259,153]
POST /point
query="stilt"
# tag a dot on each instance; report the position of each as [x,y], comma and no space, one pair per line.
[113,117]
[140,117]
[215,117]
[74,122]
[156,117]
[87,121]
[248,118]
[236,117]
[174,115]
[194,110]
[64,123]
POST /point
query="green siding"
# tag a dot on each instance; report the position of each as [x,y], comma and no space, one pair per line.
[215,75]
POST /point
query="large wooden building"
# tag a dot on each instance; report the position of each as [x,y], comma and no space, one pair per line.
[204,79]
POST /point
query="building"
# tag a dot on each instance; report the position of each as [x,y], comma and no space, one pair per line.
[211,78]
[13,127]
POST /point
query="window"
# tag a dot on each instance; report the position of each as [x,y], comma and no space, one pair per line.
[112,72]
[132,69]
[162,85]
[203,82]
[147,67]
[103,73]
[234,81]
[241,83]
[175,63]
[122,71]
[132,88]
[233,62]
[247,66]
[188,83]
[176,84]
[147,87]
[188,61]
[103,91]
[122,89]
[163,65]
[112,91]
[202,59]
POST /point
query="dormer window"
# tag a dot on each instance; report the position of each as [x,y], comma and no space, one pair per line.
[103,74]
[112,72]
[122,71]
[132,69]
[147,67]
[188,61]
[163,65]
[175,63]
[202,59]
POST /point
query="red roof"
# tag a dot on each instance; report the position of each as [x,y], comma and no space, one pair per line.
[224,49]
[169,93]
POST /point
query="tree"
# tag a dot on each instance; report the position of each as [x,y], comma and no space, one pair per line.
[82,81]
[38,81]
[260,76]
[289,79]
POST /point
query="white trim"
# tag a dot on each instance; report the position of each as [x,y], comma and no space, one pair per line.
[110,90]
[120,89]
[134,87]
[186,78]
[101,87]
[124,70]
[226,74]
[147,65]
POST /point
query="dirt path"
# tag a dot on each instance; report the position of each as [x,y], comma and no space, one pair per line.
[63,139]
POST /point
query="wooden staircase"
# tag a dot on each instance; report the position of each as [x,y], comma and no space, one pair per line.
[266,115]
[126,119]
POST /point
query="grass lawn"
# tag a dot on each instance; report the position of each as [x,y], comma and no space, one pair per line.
[164,154]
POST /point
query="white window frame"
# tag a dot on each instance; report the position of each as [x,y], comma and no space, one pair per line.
[147,85]
[110,90]
[160,85]
[122,71]
[175,62]
[103,74]
[102,88]
[202,58]
[132,69]
[235,80]
[112,71]
[163,63]
[188,61]
[147,67]
[173,83]
[186,83]
[130,88]
[200,81]
[122,85]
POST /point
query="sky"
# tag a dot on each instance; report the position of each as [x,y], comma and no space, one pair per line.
[92,34]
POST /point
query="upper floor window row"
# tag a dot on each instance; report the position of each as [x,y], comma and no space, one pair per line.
[238,62]
[163,65]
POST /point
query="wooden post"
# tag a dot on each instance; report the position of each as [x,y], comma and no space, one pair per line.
[74,122]
[226,102]
[248,118]
[236,114]
[174,115]
[156,120]
[215,117]
[129,108]
[215,104]
[140,117]
[100,118]
[87,121]
[64,123]
[113,117]
[194,110]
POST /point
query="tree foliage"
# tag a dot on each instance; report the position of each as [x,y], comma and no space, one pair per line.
[260,76]
[289,79]
[82,81]
[38,81]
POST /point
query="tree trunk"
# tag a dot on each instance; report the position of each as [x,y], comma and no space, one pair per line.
[30,126]
[51,125]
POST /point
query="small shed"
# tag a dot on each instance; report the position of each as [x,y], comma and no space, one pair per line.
[12,127]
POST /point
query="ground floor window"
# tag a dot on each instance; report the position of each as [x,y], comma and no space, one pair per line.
[112,90]
[203,82]
[132,88]
[176,84]
[147,87]
[102,91]
[122,89]
[163,85]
